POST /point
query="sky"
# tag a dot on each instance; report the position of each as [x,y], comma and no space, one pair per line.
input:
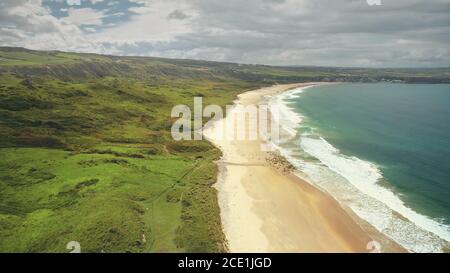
[397,33]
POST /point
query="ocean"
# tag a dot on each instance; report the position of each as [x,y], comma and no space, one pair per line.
[381,149]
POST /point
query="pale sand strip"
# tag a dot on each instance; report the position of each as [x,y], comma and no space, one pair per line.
[266,210]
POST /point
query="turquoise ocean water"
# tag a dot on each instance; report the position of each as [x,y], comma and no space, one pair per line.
[381,149]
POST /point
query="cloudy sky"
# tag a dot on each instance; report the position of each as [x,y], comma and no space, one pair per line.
[399,33]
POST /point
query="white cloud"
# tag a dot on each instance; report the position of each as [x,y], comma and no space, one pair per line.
[73,2]
[27,23]
[150,24]
[84,16]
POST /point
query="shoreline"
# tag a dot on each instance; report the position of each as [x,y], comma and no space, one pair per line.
[267,208]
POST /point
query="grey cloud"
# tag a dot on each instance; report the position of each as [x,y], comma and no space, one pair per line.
[324,32]
[280,32]
[178,14]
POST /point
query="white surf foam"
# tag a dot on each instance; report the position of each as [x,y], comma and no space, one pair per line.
[283,112]
[359,187]
[365,176]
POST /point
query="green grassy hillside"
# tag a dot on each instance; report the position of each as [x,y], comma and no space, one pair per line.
[86,153]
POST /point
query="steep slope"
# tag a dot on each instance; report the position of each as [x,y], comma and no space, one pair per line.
[86,155]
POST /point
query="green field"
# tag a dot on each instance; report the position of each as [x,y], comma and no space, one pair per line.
[86,153]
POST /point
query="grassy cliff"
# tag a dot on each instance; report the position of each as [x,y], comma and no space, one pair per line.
[86,153]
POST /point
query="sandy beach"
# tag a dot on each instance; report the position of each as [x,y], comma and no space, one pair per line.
[266,208]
